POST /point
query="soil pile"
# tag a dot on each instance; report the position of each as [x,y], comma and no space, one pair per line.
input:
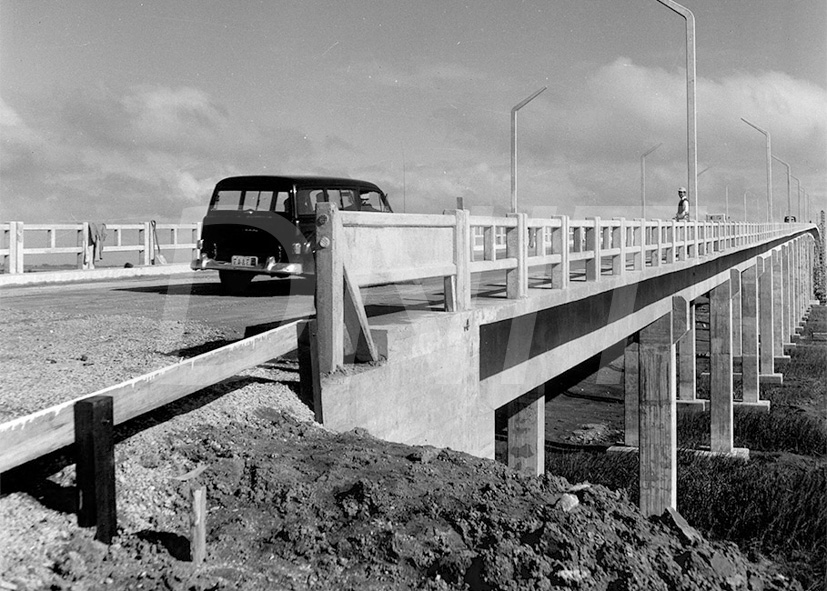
[293,506]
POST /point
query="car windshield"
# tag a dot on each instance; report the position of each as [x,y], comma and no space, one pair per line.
[250,199]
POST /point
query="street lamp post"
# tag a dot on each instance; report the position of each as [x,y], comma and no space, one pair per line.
[789,183]
[643,179]
[798,184]
[691,114]
[769,161]
[514,110]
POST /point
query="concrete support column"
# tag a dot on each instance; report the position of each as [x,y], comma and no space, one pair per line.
[735,285]
[766,321]
[749,334]
[686,353]
[658,431]
[720,368]
[778,304]
[631,392]
[787,259]
[527,432]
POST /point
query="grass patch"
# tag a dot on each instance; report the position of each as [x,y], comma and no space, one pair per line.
[775,504]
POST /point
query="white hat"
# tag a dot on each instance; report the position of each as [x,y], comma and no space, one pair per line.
[681,189]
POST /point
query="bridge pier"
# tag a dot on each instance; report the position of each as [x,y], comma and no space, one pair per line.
[658,421]
[766,321]
[686,353]
[749,339]
[527,432]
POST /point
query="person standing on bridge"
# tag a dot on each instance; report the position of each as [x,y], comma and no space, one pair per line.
[683,205]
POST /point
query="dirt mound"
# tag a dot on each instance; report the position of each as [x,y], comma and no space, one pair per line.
[294,506]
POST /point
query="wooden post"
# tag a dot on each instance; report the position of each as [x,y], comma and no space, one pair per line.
[329,288]
[560,245]
[720,368]
[658,439]
[527,432]
[95,458]
[516,247]
[631,392]
[198,525]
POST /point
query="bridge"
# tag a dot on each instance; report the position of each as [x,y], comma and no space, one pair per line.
[437,370]
[569,290]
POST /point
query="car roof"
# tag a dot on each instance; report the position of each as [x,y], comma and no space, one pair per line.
[300,182]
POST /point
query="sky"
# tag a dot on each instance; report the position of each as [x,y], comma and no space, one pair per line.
[123,111]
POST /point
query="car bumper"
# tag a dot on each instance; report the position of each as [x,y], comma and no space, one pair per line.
[272,268]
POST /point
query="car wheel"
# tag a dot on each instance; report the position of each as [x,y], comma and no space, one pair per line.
[234,282]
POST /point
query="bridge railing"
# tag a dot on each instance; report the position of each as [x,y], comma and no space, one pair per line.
[144,239]
[389,248]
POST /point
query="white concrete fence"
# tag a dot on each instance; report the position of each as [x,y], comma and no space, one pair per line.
[23,240]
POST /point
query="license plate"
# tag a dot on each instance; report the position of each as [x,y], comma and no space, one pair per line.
[245,261]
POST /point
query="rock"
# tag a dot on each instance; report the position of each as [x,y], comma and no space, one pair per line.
[675,520]
[573,577]
[567,502]
[423,455]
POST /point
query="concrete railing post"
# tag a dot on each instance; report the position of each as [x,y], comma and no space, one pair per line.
[639,241]
[329,288]
[517,247]
[149,242]
[458,286]
[619,241]
[16,244]
[560,245]
[720,368]
[593,243]
[87,250]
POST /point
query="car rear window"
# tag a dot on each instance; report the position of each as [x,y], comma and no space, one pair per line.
[250,199]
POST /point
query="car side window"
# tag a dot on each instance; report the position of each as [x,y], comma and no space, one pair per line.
[371,201]
[306,200]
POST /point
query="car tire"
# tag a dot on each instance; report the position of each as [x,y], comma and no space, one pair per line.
[234,282]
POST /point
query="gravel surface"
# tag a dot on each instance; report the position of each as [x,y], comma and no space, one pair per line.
[291,505]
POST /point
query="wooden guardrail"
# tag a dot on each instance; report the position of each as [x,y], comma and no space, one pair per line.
[35,435]
[145,239]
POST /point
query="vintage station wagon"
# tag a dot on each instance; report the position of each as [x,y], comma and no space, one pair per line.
[265,225]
